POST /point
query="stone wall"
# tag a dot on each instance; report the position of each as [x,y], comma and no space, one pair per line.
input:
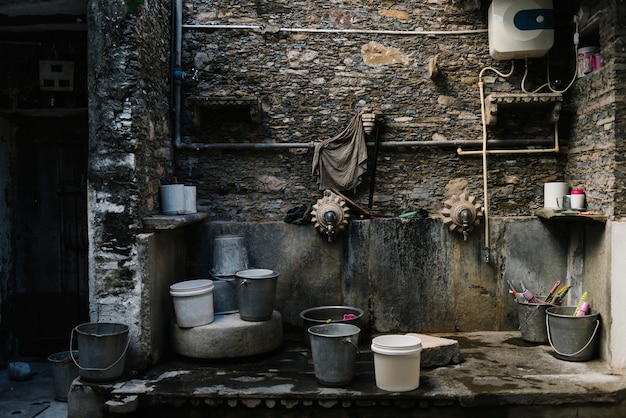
[310,84]
[130,150]
[595,150]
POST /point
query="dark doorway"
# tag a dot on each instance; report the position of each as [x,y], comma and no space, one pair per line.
[50,229]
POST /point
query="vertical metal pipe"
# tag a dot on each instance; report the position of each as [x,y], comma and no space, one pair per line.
[373,174]
[177,36]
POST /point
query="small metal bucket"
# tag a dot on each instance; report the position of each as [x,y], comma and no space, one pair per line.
[573,338]
[532,321]
[229,255]
[64,371]
[102,350]
[320,315]
[225,295]
[256,291]
[334,348]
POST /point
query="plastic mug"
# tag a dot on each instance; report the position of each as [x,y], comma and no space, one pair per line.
[564,202]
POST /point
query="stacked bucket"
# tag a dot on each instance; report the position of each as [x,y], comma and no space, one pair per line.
[233,288]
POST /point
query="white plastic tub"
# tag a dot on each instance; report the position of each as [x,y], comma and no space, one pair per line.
[193,302]
[397,362]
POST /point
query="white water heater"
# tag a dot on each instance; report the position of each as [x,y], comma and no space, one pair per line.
[520,28]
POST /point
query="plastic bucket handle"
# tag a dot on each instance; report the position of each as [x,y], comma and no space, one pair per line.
[96,369]
[579,351]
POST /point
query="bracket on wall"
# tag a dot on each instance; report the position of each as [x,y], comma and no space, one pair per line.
[246,108]
[551,101]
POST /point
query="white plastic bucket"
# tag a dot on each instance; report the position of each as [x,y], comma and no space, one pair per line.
[173,199]
[397,362]
[193,302]
[553,191]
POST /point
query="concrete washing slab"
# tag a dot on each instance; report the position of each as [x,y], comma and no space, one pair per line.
[497,374]
[228,336]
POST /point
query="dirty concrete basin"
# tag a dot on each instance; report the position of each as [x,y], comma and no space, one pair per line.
[499,375]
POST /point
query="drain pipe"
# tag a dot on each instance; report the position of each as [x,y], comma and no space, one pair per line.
[197,146]
[177,72]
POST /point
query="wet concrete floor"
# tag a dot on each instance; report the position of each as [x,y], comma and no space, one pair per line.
[498,375]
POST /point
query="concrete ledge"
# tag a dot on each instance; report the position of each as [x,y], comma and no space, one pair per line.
[499,375]
[228,336]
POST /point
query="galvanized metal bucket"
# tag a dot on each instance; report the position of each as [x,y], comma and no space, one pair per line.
[229,255]
[64,371]
[102,347]
[572,338]
[320,315]
[256,292]
[532,321]
[334,348]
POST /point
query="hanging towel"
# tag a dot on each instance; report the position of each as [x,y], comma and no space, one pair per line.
[339,162]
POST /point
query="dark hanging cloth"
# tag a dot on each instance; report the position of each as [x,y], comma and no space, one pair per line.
[340,162]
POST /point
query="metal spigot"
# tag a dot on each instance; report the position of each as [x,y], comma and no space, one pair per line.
[465,216]
[334,214]
[462,213]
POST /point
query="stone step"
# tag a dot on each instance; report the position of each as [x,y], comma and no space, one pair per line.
[437,351]
[228,336]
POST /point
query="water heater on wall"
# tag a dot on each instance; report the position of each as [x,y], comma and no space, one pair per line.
[520,28]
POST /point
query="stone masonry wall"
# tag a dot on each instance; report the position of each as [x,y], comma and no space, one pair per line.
[310,84]
[596,148]
[129,150]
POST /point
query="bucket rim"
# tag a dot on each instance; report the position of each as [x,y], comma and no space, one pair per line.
[191,287]
[63,356]
[593,313]
[192,284]
[541,303]
[256,273]
[124,328]
[406,344]
[349,330]
[303,313]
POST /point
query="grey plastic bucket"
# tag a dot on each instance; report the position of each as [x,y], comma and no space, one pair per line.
[229,255]
[572,338]
[102,347]
[532,321]
[334,348]
[64,371]
[329,314]
[256,292]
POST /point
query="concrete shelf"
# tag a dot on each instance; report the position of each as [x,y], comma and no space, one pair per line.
[162,222]
[571,215]
[551,102]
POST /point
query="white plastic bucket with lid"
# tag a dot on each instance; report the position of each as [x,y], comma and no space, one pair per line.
[193,302]
[397,362]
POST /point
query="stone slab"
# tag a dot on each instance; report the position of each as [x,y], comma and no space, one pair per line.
[437,351]
[228,336]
